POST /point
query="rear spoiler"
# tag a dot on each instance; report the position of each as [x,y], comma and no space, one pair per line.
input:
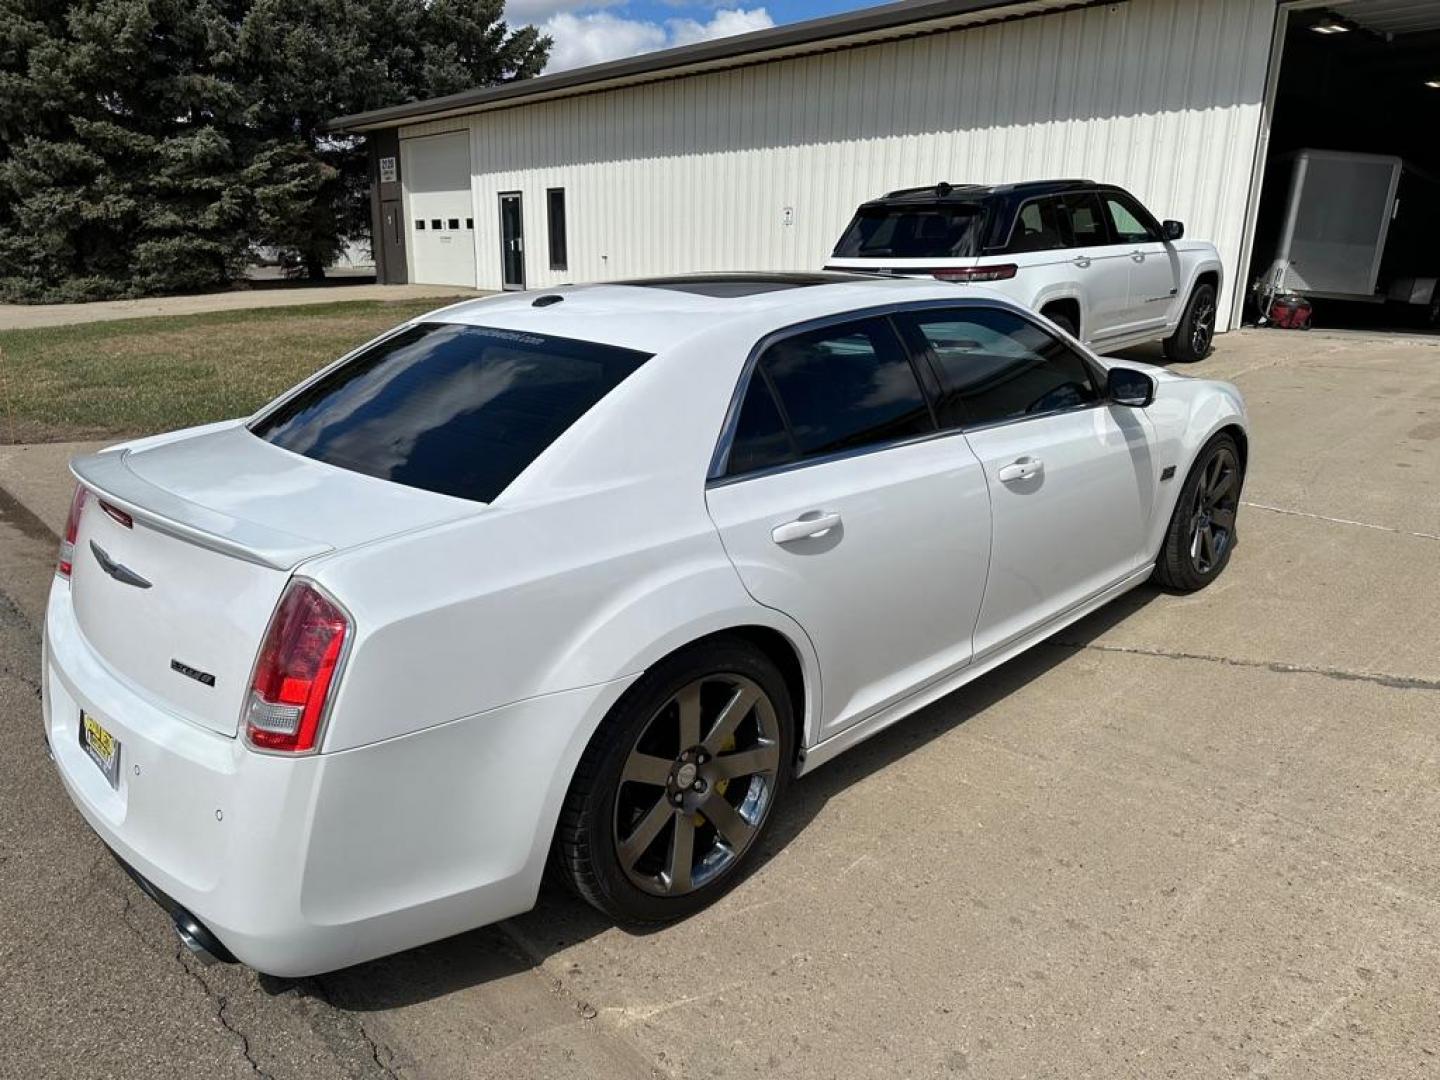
[109,477]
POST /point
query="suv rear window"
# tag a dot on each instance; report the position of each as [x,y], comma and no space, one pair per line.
[457,410]
[913,232]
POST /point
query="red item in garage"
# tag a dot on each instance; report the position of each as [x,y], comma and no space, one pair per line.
[1291,313]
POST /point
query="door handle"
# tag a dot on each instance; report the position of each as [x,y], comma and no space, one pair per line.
[1022,469]
[1081,261]
[804,527]
[1138,256]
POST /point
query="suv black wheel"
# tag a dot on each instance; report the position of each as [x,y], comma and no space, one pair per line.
[678,785]
[1192,338]
[1201,534]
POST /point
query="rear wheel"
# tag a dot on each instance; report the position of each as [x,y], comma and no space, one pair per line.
[676,788]
[1192,338]
[1201,534]
[1063,318]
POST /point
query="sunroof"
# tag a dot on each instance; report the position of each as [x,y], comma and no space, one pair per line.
[729,286]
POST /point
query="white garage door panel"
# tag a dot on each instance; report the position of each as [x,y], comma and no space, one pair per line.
[436,175]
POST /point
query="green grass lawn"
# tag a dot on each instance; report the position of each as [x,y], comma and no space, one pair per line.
[138,376]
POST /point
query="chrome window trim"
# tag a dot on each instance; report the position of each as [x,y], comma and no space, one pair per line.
[716,475]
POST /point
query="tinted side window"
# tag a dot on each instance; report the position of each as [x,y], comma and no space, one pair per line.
[458,410]
[845,387]
[1036,228]
[761,440]
[1080,220]
[1127,220]
[995,365]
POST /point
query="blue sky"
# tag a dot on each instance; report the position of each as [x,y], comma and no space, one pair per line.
[592,31]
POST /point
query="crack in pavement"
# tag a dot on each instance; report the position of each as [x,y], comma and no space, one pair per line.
[1394,682]
[1340,521]
[222,1003]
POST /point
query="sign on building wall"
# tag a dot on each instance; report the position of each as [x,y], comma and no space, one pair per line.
[388,171]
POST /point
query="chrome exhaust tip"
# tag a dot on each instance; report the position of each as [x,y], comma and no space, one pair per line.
[193,936]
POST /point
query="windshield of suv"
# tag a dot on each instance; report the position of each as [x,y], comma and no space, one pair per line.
[913,232]
[455,409]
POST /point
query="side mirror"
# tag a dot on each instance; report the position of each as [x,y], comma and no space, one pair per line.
[1173,230]
[1126,386]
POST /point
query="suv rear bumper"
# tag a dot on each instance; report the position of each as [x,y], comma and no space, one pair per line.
[307,864]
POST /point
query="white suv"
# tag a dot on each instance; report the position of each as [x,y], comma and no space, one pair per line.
[1087,256]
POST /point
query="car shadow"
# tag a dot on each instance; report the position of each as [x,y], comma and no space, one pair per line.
[559,919]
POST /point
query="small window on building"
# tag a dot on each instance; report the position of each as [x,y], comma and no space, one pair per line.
[470,223]
[419,224]
[555,209]
[455,223]
[435,223]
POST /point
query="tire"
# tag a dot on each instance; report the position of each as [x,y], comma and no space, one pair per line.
[1064,320]
[1201,534]
[671,737]
[1193,337]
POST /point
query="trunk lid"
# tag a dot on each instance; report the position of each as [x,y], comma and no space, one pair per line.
[185,547]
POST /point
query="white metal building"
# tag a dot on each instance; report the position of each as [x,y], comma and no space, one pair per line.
[752,152]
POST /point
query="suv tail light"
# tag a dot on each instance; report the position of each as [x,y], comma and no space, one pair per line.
[977,273]
[296,671]
[66,562]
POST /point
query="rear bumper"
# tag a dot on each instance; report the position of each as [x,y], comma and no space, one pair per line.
[303,865]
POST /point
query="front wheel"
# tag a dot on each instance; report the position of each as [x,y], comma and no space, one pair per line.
[1192,338]
[678,785]
[1201,534]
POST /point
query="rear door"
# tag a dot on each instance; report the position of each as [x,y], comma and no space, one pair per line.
[1154,266]
[841,504]
[1101,267]
[1070,477]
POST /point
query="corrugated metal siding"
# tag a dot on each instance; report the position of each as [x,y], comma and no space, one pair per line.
[1161,96]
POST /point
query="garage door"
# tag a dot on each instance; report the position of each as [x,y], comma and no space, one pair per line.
[436,172]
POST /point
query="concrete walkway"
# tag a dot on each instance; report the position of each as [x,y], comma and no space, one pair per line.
[35,480]
[27,316]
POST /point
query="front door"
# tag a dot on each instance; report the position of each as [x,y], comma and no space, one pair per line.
[841,505]
[1071,477]
[1154,266]
[512,241]
[392,242]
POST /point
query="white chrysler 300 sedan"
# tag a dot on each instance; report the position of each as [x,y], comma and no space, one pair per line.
[582,579]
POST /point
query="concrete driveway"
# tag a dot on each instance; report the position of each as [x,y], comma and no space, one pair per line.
[1189,837]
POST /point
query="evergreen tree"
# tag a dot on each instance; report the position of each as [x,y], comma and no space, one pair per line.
[147,146]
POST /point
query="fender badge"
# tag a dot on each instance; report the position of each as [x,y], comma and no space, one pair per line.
[1167,473]
[192,673]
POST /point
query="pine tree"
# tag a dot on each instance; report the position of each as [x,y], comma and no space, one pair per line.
[147,146]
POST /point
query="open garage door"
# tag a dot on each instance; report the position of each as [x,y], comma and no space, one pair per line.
[1349,214]
[440,209]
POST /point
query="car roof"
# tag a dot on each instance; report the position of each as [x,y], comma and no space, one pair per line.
[654,314]
[944,192]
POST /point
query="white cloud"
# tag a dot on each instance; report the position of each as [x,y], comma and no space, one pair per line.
[597,36]
[523,12]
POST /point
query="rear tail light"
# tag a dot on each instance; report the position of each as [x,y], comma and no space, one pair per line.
[296,672]
[976,273]
[66,562]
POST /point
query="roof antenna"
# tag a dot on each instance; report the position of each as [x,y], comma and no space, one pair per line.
[942,189]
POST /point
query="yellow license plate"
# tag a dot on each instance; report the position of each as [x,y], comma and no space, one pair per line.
[103,748]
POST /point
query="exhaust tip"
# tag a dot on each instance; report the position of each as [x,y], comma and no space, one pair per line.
[200,942]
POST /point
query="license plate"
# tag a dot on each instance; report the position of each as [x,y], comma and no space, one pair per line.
[103,748]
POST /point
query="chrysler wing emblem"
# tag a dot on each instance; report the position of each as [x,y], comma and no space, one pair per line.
[119,571]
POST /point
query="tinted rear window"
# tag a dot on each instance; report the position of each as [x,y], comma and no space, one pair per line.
[913,232]
[458,410]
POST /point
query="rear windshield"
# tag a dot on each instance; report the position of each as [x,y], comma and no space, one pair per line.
[458,410]
[913,232]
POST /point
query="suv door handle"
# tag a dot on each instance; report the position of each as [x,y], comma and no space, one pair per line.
[1137,255]
[804,527]
[1081,261]
[1021,469]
